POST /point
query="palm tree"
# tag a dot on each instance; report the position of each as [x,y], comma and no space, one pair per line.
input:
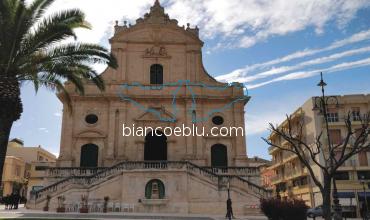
[38,49]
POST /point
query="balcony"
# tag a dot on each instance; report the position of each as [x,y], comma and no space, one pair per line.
[272,149]
[290,156]
[277,179]
[291,174]
[299,189]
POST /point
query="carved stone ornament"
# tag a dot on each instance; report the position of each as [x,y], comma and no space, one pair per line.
[156,51]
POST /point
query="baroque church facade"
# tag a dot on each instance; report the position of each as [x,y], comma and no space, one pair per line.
[160,82]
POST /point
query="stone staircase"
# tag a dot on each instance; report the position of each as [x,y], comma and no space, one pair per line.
[87,179]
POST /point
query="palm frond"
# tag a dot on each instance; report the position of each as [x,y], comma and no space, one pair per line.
[31,49]
[38,8]
[53,29]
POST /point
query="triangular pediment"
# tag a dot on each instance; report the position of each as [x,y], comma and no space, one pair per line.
[91,134]
[156,114]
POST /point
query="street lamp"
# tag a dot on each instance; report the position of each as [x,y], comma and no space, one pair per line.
[228,200]
[228,189]
[365,215]
[321,103]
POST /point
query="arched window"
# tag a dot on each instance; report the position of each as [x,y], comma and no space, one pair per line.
[156,74]
[89,155]
[154,189]
[218,155]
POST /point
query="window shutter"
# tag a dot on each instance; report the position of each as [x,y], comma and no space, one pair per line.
[362,157]
[335,136]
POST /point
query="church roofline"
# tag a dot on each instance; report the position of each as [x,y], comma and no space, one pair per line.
[157,16]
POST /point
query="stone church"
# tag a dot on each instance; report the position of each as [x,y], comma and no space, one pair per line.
[160,83]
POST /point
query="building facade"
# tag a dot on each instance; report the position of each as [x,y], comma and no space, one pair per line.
[24,168]
[14,180]
[292,180]
[160,83]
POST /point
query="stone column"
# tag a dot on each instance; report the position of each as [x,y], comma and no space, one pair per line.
[240,142]
[188,123]
[121,142]
[66,143]
[111,131]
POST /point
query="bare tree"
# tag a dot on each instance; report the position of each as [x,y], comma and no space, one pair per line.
[323,153]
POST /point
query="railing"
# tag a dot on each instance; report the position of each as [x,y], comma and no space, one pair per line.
[293,172]
[165,165]
[276,178]
[272,148]
[73,171]
[240,171]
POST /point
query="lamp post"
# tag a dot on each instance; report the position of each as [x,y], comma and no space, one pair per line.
[365,214]
[228,189]
[229,212]
[321,104]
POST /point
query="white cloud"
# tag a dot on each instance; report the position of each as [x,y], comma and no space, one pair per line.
[44,130]
[241,74]
[56,153]
[255,124]
[306,74]
[57,114]
[249,22]
[241,23]
[316,61]
[102,14]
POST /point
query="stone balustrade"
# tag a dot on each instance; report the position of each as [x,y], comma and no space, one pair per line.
[59,172]
[240,171]
[90,176]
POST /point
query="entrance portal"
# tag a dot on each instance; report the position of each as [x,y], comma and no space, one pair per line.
[89,155]
[218,155]
[155,147]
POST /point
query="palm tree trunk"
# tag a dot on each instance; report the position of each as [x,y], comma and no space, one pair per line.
[10,111]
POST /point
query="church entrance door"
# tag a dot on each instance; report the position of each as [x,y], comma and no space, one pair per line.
[218,155]
[155,147]
[89,155]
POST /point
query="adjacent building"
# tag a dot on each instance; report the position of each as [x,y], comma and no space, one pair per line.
[13,176]
[24,169]
[292,180]
[266,175]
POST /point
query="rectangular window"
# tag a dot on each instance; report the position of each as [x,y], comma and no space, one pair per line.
[156,74]
[335,136]
[17,171]
[362,157]
[41,168]
[363,175]
[356,115]
[341,176]
[332,115]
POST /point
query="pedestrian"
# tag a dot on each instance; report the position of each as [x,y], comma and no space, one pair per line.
[15,200]
[8,203]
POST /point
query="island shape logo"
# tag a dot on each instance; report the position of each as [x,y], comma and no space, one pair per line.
[177,86]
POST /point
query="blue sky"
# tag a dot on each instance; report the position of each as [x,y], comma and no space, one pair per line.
[276,48]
